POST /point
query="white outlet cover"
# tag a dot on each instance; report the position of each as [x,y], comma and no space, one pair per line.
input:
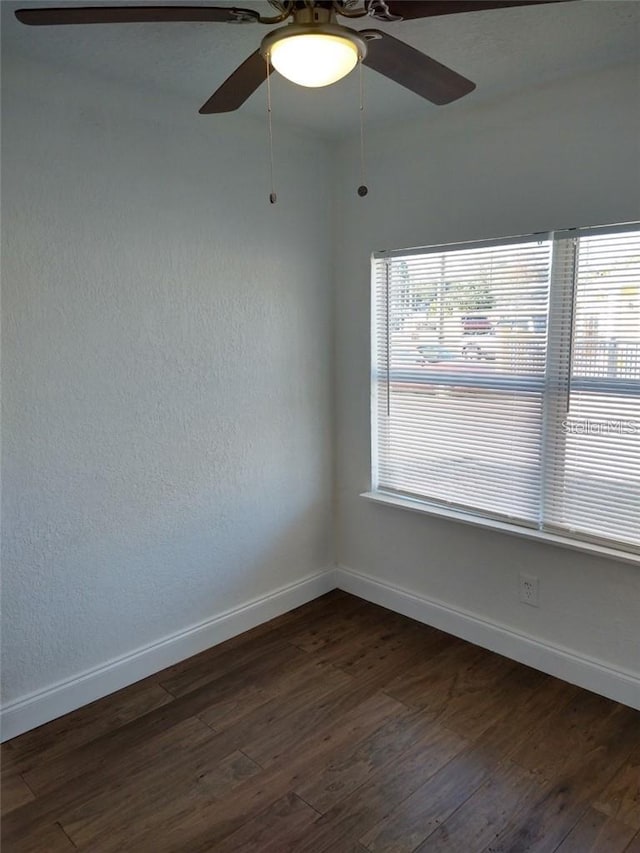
[529,590]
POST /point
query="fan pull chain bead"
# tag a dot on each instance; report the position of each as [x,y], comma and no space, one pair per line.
[362,189]
[272,195]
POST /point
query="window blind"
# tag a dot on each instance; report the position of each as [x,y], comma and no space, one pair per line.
[594,485]
[506,380]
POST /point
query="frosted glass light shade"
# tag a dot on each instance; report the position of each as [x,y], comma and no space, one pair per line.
[314,59]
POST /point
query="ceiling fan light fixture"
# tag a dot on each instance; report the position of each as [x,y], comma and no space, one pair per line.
[314,60]
[314,55]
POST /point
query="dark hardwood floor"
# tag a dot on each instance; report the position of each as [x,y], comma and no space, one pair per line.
[338,727]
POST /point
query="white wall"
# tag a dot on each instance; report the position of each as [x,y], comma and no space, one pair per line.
[555,157]
[167,364]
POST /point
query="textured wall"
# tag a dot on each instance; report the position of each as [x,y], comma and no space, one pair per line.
[555,157]
[167,369]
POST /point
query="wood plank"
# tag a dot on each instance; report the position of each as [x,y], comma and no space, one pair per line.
[470,688]
[79,727]
[106,776]
[597,833]
[416,817]
[9,763]
[409,823]
[202,829]
[366,658]
[223,655]
[330,633]
[505,794]
[429,683]
[634,847]
[15,792]
[528,716]
[223,714]
[77,762]
[568,731]
[335,603]
[274,744]
[270,745]
[553,815]
[360,762]
[290,688]
[472,711]
[143,802]
[483,693]
[43,839]
[621,797]
[363,626]
[227,775]
[354,814]
[274,830]
[296,692]
[217,664]
[98,765]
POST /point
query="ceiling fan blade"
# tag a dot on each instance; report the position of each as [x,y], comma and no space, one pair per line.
[133,15]
[237,88]
[411,9]
[414,70]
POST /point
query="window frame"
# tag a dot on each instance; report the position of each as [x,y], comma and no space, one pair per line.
[556,384]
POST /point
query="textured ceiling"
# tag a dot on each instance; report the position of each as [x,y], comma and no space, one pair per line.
[503,51]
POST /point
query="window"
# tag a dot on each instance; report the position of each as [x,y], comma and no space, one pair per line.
[506,380]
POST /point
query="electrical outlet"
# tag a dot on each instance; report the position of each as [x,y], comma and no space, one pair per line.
[529,590]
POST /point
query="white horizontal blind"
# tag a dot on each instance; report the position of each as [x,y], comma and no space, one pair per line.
[594,485]
[506,380]
[459,375]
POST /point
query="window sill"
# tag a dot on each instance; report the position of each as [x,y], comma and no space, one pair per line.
[502,526]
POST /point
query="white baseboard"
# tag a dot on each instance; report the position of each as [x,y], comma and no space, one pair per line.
[37,708]
[619,685]
[33,710]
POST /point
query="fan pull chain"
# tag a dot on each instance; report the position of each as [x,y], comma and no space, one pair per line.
[272,195]
[362,189]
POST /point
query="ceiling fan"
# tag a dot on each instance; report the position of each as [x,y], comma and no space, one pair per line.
[313,49]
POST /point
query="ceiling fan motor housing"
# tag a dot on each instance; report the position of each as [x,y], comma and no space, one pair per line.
[312,28]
